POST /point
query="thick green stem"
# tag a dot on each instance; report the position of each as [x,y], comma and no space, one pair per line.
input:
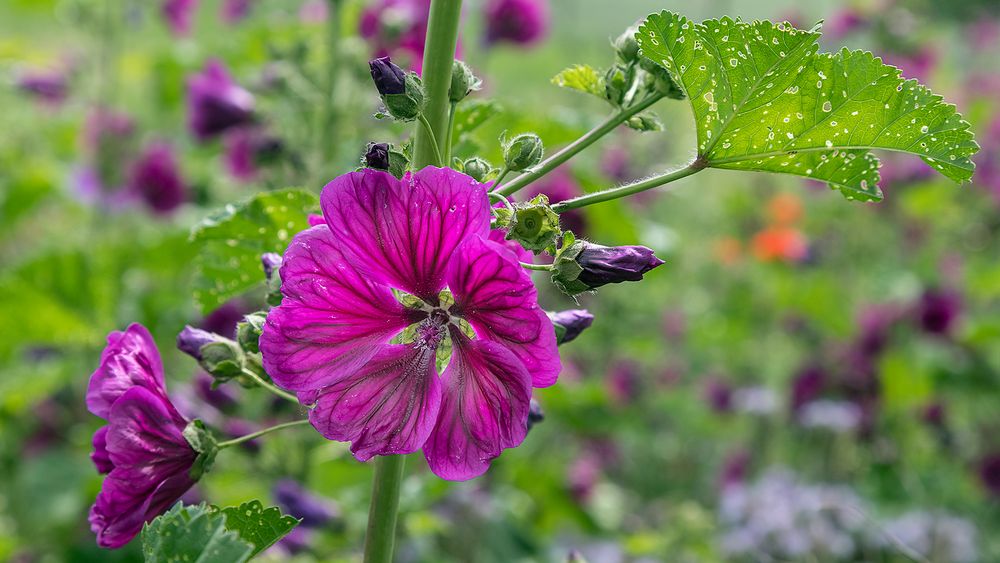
[260,433]
[381,535]
[439,55]
[629,189]
[567,152]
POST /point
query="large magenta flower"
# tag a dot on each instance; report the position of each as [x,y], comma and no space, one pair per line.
[338,338]
[142,448]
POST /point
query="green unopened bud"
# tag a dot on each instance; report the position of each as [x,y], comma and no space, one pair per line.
[662,83]
[410,103]
[644,122]
[201,441]
[463,82]
[617,83]
[534,224]
[478,168]
[249,330]
[223,359]
[522,151]
[626,46]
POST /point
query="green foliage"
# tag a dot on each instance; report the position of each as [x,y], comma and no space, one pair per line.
[193,534]
[582,78]
[233,239]
[765,99]
[473,113]
[258,525]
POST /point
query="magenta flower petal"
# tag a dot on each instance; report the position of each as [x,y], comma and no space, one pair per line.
[100,455]
[389,406]
[130,359]
[403,232]
[484,410]
[495,294]
[332,320]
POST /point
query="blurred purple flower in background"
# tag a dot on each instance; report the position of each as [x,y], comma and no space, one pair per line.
[522,22]
[719,395]
[216,103]
[156,180]
[294,499]
[919,64]
[178,15]
[313,11]
[807,386]
[223,397]
[734,469]
[989,473]
[49,87]
[938,310]
[248,149]
[223,319]
[616,163]
[397,28]
[148,460]
[843,23]
[624,382]
[560,185]
[235,11]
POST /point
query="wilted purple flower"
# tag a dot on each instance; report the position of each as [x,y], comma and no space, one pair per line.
[522,22]
[389,78]
[49,87]
[143,450]
[570,323]
[807,386]
[719,395]
[155,178]
[397,28]
[329,339]
[938,310]
[989,473]
[234,11]
[560,185]
[178,15]
[295,500]
[614,264]
[216,103]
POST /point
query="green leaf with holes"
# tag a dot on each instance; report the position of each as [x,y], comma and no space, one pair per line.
[258,525]
[765,99]
[233,239]
[582,78]
[193,534]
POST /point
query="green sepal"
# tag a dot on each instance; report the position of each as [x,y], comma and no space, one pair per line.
[399,163]
[408,105]
[222,359]
[249,330]
[566,270]
[534,224]
[203,442]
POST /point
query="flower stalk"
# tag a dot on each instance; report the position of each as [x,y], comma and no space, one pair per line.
[270,387]
[381,537]
[259,433]
[630,189]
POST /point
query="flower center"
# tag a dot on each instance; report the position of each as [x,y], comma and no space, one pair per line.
[432,330]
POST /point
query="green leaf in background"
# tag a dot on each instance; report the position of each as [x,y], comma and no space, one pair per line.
[583,78]
[473,113]
[193,534]
[258,525]
[765,99]
[233,239]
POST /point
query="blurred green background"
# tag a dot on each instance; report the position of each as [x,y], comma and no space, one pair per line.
[805,379]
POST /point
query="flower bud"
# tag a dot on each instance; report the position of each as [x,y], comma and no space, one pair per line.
[377,156]
[479,169]
[534,224]
[569,324]
[535,413]
[219,356]
[272,274]
[626,46]
[463,82]
[617,82]
[389,78]
[249,330]
[662,83]
[521,152]
[271,263]
[401,92]
[583,266]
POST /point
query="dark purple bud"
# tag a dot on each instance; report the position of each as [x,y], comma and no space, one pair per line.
[271,263]
[535,413]
[569,324]
[216,103]
[295,500]
[389,78]
[516,21]
[190,341]
[989,473]
[938,311]
[156,179]
[614,264]
[719,395]
[377,156]
[807,386]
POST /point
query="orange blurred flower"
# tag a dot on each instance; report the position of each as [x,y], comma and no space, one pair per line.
[784,209]
[778,243]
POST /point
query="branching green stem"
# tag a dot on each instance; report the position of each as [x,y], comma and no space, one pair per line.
[260,433]
[629,189]
[270,387]
[567,152]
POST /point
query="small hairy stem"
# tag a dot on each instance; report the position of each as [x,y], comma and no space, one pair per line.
[449,133]
[381,536]
[567,152]
[270,387]
[260,433]
[629,189]
[503,172]
[432,137]
[494,197]
[537,267]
